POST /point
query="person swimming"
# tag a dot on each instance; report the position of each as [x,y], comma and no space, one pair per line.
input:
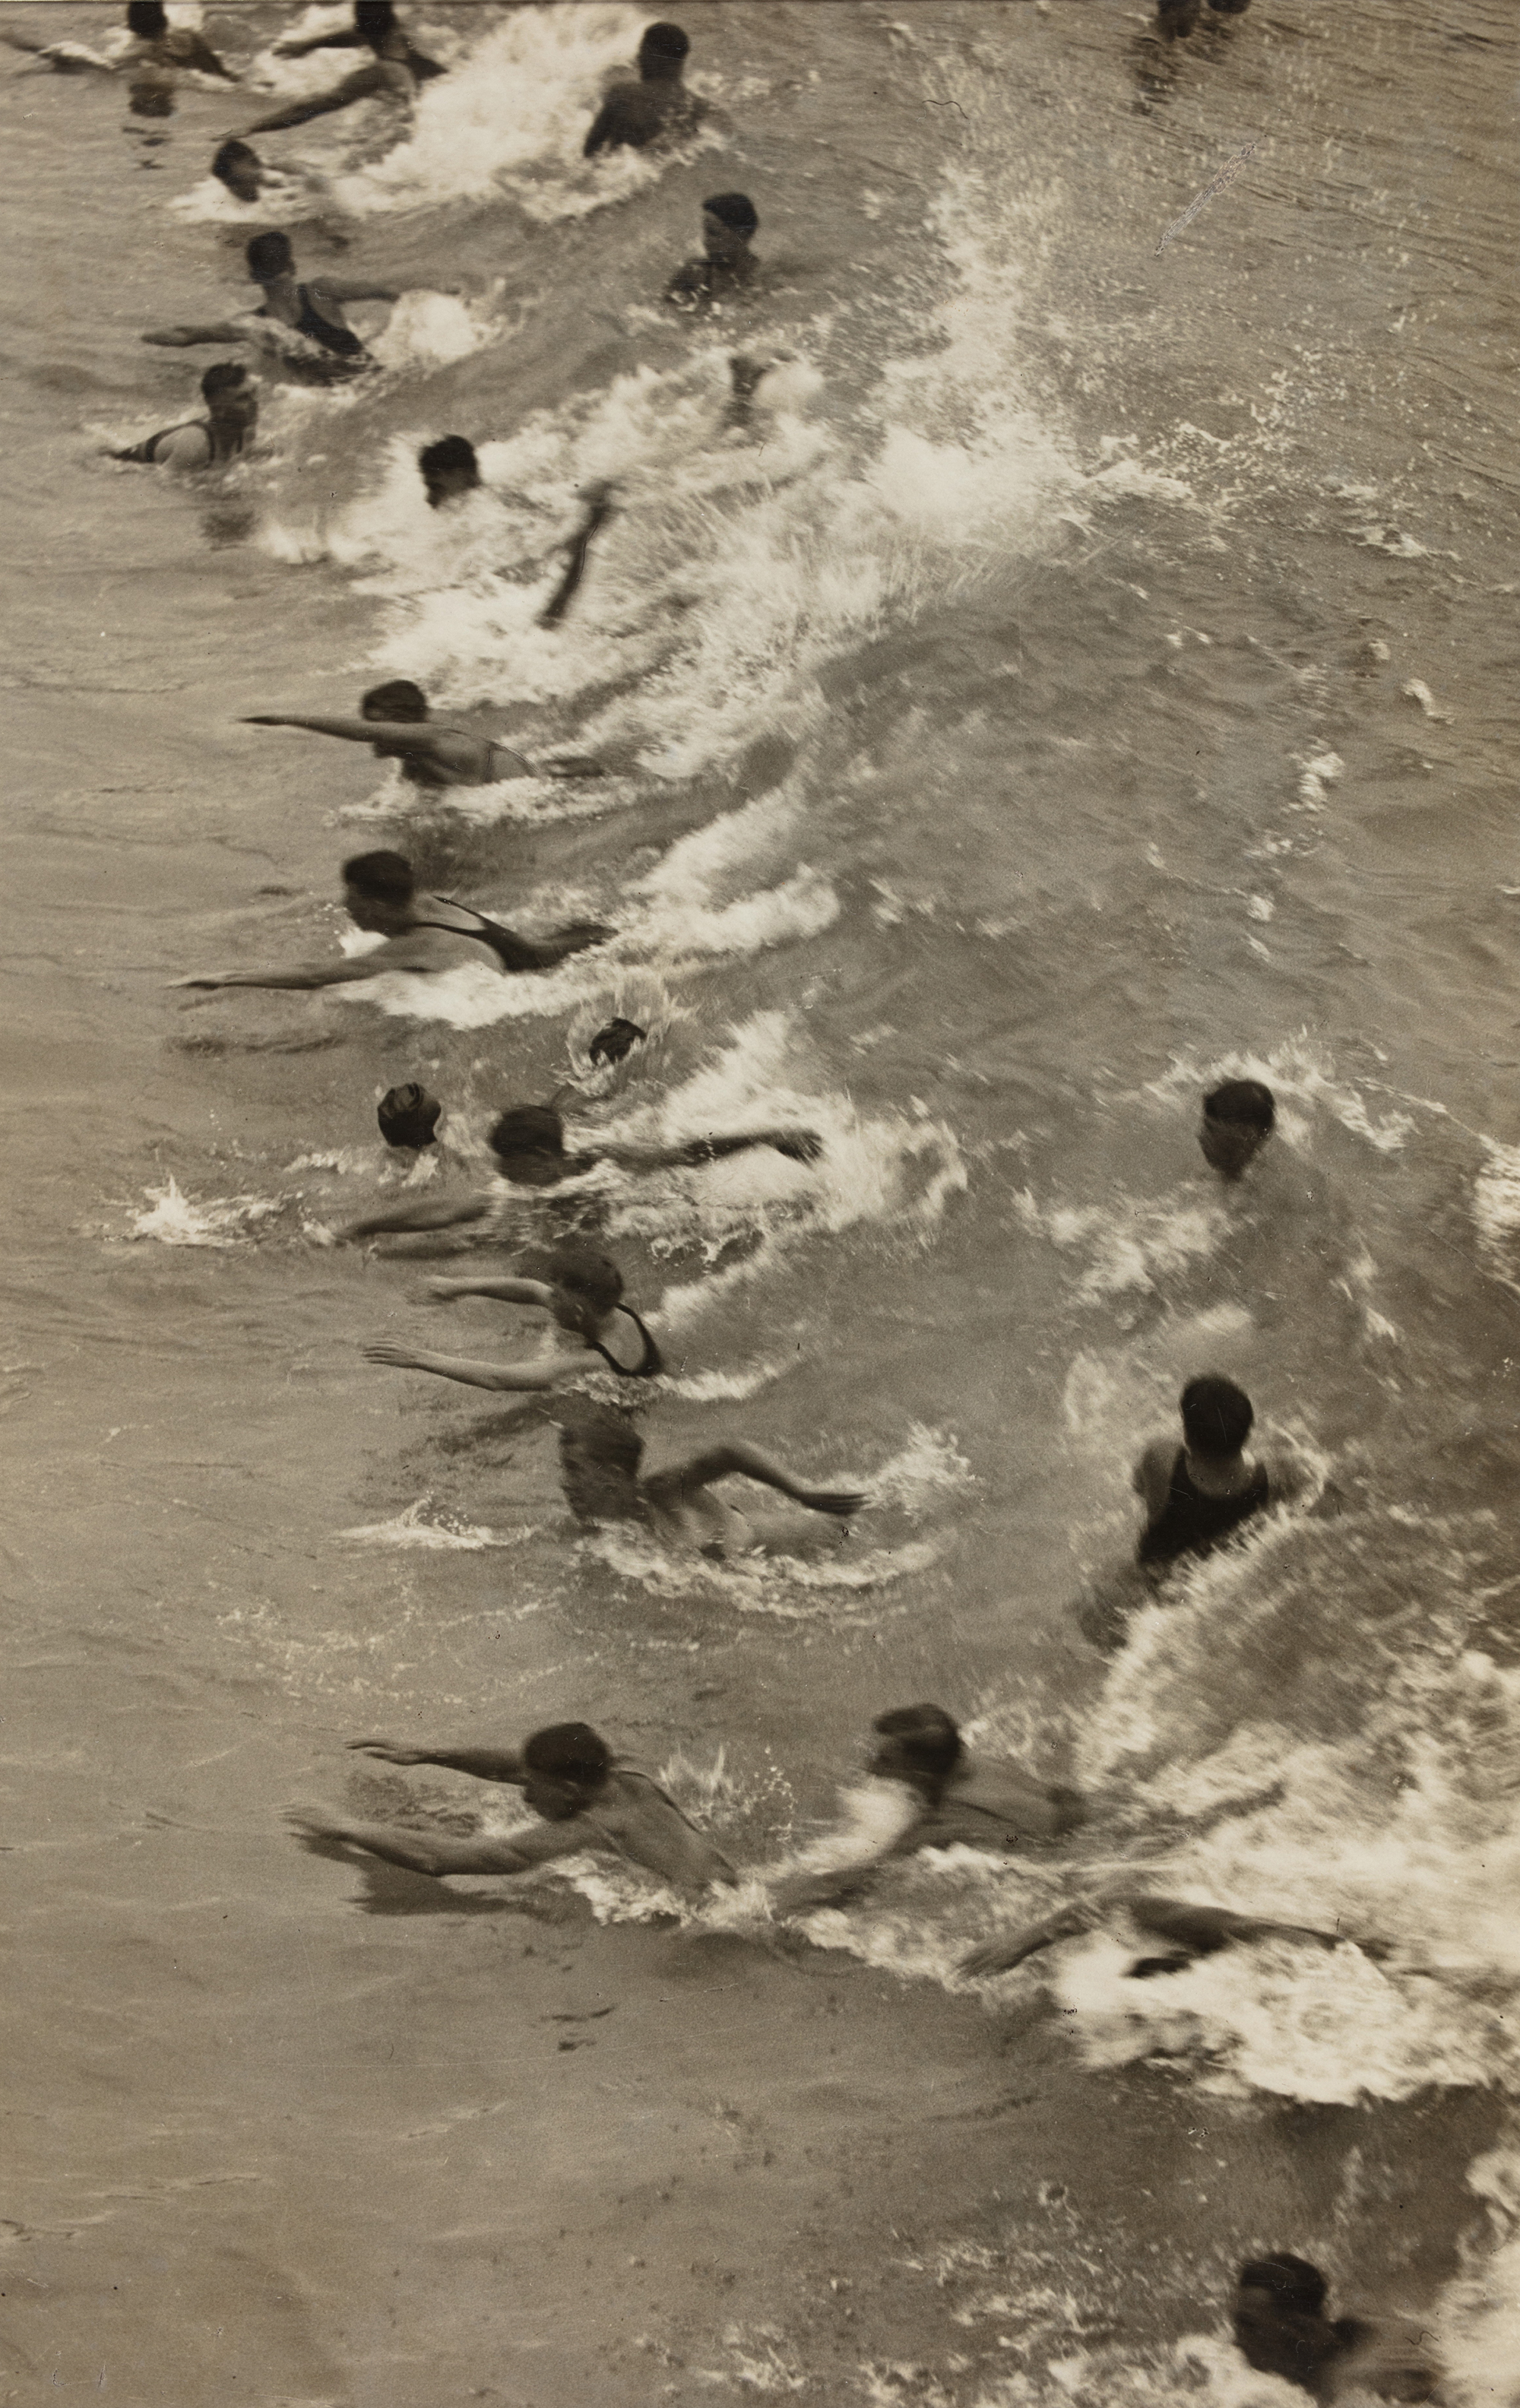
[583,1297]
[154,44]
[374,22]
[232,414]
[1190,1930]
[450,471]
[1237,1119]
[729,223]
[602,1459]
[313,311]
[634,115]
[409,1117]
[394,721]
[381,896]
[958,1801]
[614,1042]
[586,1797]
[528,1142]
[393,74]
[1281,2328]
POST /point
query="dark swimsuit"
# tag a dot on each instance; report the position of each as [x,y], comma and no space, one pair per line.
[650,1362]
[1193,1523]
[516,953]
[342,340]
[146,452]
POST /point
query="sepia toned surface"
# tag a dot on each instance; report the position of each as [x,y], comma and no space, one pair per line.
[1088,678]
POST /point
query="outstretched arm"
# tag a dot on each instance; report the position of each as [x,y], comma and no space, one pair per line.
[311,974]
[441,1215]
[506,1291]
[180,338]
[349,39]
[513,1378]
[1203,1930]
[355,731]
[684,1479]
[598,500]
[486,1763]
[422,1852]
[1001,1955]
[800,1145]
[362,85]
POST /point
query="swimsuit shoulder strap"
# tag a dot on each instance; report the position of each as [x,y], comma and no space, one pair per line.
[650,1361]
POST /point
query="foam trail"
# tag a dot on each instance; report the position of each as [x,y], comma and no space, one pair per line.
[174,1219]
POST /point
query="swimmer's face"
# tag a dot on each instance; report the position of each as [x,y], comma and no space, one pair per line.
[448,485]
[721,241]
[555,1799]
[236,412]
[367,912]
[1229,1146]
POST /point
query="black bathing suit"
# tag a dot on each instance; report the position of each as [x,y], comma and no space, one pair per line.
[1193,1523]
[650,1362]
[516,953]
[342,340]
[146,452]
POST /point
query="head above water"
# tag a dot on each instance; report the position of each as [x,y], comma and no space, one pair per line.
[566,1764]
[238,166]
[729,223]
[1237,1119]
[662,53]
[409,1115]
[1291,2282]
[269,257]
[147,19]
[448,468]
[373,19]
[587,1286]
[1279,2320]
[528,1142]
[378,890]
[921,1745]
[400,701]
[1216,1417]
[231,397]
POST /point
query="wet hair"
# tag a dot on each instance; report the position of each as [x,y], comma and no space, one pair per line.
[225,377]
[1216,1415]
[373,19]
[383,877]
[400,700]
[569,1751]
[1293,2282]
[408,1115]
[147,19]
[734,209]
[615,1040]
[1243,1102]
[926,1735]
[233,154]
[662,41]
[269,255]
[528,1128]
[590,1278]
[449,452]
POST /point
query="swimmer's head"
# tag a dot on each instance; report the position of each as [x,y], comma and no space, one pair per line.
[1279,2320]
[566,1764]
[920,1746]
[377,888]
[241,168]
[729,223]
[409,1115]
[662,53]
[599,1455]
[528,1142]
[1216,1417]
[448,468]
[587,1286]
[1237,1119]
[615,1041]
[147,19]
[231,397]
[373,19]
[399,701]
[269,257]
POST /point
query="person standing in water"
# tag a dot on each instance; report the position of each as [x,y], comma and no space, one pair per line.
[657,107]
[232,413]
[394,722]
[375,21]
[422,933]
[585,1796]
[313,311]
[729,223]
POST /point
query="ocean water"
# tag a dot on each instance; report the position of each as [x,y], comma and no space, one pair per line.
[1086,679]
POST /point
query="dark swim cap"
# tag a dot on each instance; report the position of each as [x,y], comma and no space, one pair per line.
[234,153]
[663,41]
[569,1751]
[398,700]
[528,1128]
[1293,2282]
[449,452]
[616,1041]
[734,209]
[269,255]
[1216,1415]
[147,19]
[408,1115]
[926,1734]
[383,877]
[1244,1102]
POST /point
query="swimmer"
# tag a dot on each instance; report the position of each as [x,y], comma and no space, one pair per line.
[391,75]
[600,1456]
[1237,1119]
[394,722]
[634,115]
[450,469]
[1281,2328]
[583,1297]
[959,1800]
[1190,1932]
[409,1117]
[421,932]
[313,310]
[154,43]
[374,22]
[729,223]
[586,1797]
[614,1042]
[232,413]
[1196,1497]
[598,501]
[528,1142]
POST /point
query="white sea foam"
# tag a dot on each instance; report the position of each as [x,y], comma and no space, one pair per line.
[418,1526]
[174,1219]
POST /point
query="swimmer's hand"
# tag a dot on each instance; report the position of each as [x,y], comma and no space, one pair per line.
[200,981]
[177,338]
[315,1822]
[447,1289]
[1001,1955]
[572,765]
[388,1752]
[798,1145]
[401,1358]
[842,1501]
